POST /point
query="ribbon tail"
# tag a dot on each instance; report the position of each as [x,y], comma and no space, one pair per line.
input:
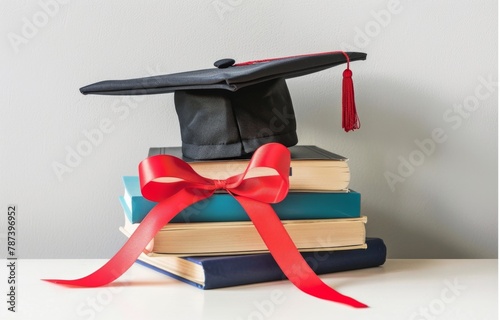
[286,254]
[159,216]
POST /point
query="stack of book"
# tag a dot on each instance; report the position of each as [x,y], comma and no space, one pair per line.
[212,244]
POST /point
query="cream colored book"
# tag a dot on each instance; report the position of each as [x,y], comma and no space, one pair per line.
[312,168]
[220,238]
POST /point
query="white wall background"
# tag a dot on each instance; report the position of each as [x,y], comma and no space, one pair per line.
[430,67]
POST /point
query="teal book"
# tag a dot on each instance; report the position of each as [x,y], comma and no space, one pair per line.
[222,207]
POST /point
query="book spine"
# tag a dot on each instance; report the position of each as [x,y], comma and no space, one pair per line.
[262,268]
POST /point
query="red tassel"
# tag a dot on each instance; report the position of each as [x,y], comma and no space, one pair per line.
[350,120]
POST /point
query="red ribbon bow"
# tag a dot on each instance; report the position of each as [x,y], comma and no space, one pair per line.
[175,185]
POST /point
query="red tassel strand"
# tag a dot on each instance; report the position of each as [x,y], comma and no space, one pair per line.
[350,120]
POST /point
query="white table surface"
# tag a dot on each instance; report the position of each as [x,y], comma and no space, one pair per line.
[401,289]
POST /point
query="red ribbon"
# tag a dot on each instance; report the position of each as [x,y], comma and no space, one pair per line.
[175,185]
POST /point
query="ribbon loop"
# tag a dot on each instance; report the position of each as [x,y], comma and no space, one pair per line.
[162,176]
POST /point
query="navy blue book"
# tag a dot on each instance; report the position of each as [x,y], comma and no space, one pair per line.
[211,272]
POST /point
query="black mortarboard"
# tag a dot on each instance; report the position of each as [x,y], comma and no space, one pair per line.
[231,110]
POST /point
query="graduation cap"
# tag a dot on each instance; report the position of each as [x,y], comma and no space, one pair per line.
[232,109]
